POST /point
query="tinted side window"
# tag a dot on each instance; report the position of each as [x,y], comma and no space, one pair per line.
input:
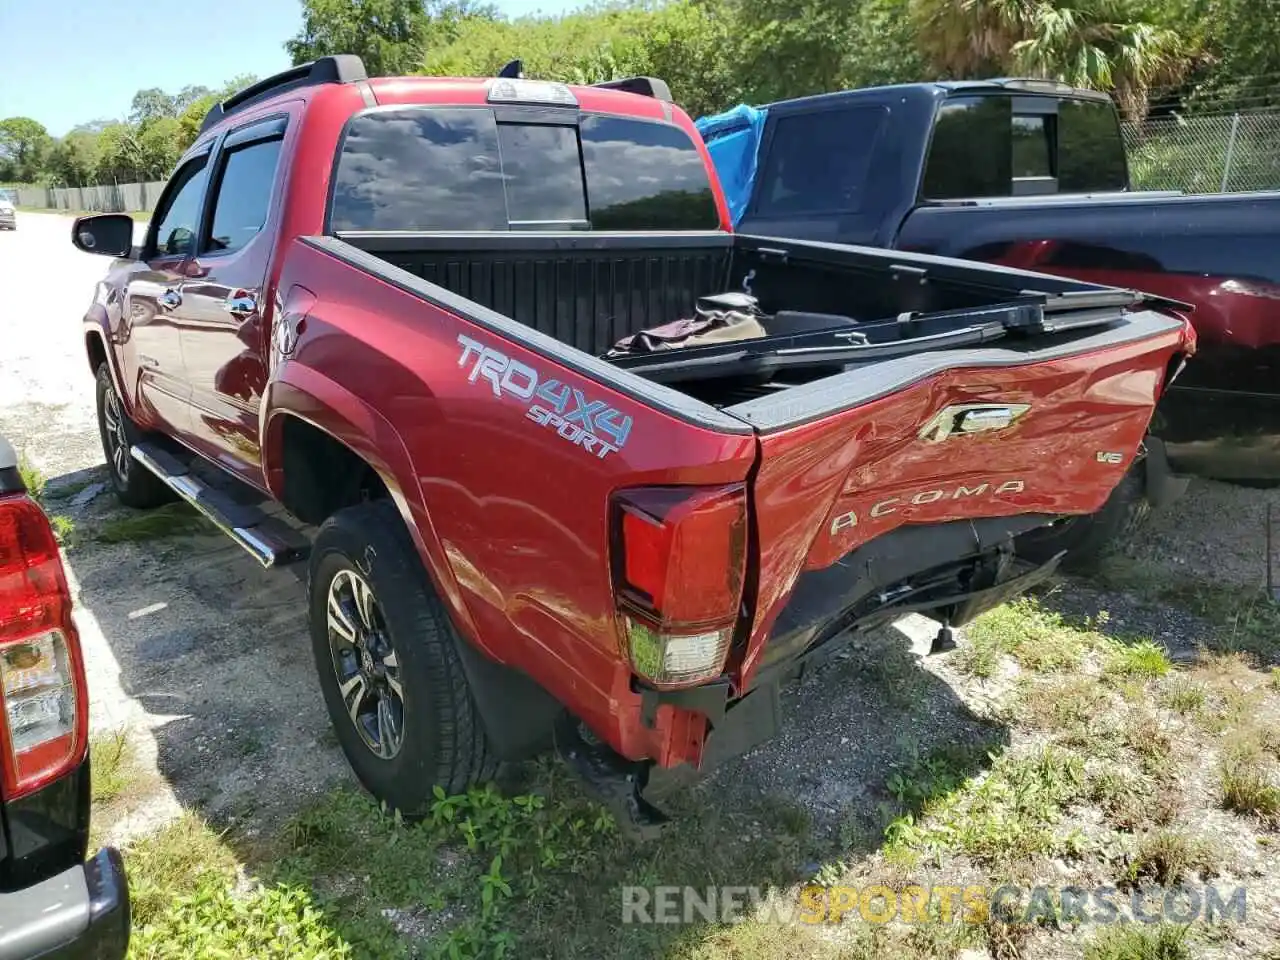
[178,219]
[970,153]
[645,176]
[542,173]
[1090,148]
[244,195]
[420,169]
[818,162]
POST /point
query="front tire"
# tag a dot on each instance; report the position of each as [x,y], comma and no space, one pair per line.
[1089,540]
[388,663]
[134,484]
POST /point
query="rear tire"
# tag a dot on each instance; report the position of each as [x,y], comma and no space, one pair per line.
[400,637]
[1091,539]
[134,484]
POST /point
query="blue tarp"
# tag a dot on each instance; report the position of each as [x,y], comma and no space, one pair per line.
[733,140]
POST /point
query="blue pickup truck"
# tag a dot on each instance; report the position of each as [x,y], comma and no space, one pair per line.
[1033,174]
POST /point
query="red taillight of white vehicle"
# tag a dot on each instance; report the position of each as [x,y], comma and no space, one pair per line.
[45,722]
[679,558]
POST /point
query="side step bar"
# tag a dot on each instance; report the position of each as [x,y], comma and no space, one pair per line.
[269,540]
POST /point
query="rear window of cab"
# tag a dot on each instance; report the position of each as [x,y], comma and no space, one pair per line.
[465,169]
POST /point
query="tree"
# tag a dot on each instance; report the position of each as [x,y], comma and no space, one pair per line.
[23,143]
[187,96]
[1241,39]
[159,148]
[149,105]
[120,157]
[1104,44]
[73,160]
[388,35]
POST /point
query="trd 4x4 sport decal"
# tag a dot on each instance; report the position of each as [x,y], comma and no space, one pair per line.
[591,424]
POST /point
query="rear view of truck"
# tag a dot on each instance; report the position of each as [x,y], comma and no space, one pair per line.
[583,460]
[698,519]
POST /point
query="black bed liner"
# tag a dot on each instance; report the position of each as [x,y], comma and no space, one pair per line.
[570,296]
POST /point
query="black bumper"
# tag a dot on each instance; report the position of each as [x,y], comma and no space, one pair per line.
[80,914]
[756,717]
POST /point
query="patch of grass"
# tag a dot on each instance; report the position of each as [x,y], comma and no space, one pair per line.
[1143,659]
[66,489]
[110,766]
[935,774]
[188,901]
[1145,734]
[1129,799]
[1137,942]
[173,862]
[1243,618]
[1183,695]
[1005,817]
[32,478]
[980,659]
[1273,678]
[64,527]
[531,875]
[170,520]
[1037,638]
[1245,780]
[1074,709]
[36,482]
[1235,693]
[1168,857]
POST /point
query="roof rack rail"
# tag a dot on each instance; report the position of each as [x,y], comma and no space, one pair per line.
[645,86]
[343,68]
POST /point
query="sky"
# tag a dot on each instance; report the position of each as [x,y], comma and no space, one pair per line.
[67,62]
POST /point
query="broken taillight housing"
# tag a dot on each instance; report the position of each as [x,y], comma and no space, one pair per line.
[44,725]
[679,559]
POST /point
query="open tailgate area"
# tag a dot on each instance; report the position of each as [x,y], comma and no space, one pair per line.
[933,443]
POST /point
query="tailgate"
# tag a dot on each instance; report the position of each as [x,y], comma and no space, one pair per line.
[1046,425]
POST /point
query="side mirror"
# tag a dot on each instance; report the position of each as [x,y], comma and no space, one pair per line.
[109,234]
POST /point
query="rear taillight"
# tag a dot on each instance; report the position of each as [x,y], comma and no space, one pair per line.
[679,557]
[44,726]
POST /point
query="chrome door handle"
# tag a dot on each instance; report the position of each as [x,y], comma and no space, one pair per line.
[240,306]
[965,418]
[170,299]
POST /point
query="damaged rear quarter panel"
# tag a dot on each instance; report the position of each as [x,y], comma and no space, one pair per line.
[826,487]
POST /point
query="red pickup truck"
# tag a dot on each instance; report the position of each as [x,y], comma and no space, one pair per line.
[388,306]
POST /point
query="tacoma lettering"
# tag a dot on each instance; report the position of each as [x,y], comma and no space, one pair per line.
[883,508]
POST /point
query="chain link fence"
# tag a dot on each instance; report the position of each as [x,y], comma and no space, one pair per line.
[1214,154]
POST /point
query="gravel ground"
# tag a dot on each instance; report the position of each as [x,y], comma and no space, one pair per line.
[204,657]
[191,646]
[1217,531]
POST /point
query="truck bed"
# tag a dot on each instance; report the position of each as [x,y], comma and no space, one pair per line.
[586,290]
[589,290]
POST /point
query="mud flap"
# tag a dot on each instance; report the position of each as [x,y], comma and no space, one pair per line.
[616,783]
[1162,485]
[980,601]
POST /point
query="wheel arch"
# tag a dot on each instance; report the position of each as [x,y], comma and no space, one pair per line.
[97,352]
[326,409]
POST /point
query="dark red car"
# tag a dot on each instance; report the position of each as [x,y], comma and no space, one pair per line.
[53,903]
[385,308]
